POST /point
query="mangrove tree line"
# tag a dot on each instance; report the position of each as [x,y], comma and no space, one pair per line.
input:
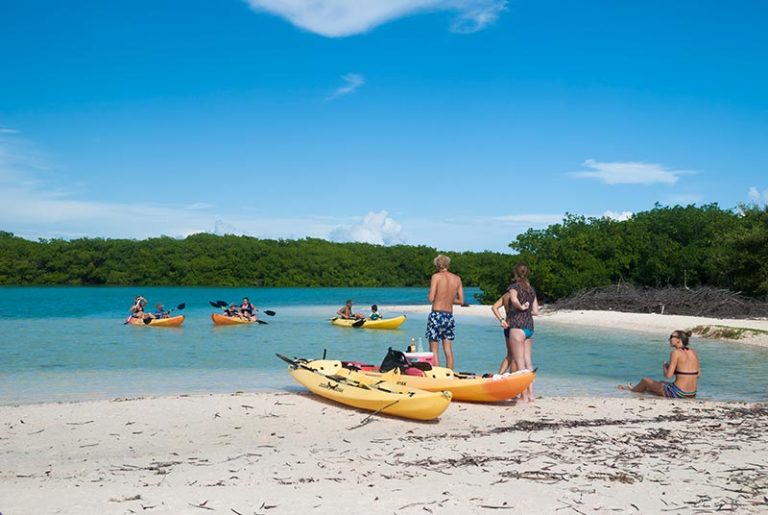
[677,246]
[210,260]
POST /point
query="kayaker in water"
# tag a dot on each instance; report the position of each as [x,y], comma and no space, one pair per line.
[375,315]
[138,304]
[345,312]
[160,312]
[232,311]
[137,310]
[248,310]
[445,290]
[683,364]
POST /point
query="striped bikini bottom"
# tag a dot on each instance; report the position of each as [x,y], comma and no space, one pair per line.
[671,391]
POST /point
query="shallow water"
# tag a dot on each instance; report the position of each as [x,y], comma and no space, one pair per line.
[61,344]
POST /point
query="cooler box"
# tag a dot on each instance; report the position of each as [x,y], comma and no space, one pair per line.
[421,357]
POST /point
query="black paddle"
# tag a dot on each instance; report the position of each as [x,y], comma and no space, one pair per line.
[287,359]
[358,323]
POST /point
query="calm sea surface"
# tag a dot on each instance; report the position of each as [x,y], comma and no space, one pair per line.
[62,344]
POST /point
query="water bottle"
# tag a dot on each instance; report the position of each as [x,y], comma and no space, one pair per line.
[412,346]
[420,348]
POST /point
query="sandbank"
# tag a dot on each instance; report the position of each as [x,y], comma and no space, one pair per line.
[642,322]
[292,452]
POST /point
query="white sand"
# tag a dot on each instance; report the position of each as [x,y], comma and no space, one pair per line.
[295,453]
[645,322]
[275,453]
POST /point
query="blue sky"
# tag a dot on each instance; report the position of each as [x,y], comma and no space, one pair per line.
[451,123]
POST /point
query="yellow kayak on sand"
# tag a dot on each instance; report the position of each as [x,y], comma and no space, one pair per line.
[381,323]
[464,387]
[329,379]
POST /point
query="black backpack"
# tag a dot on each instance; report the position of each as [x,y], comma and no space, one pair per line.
[394,359]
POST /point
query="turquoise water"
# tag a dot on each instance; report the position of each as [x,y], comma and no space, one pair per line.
[61,344]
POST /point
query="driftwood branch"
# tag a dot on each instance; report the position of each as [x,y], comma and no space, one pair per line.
[703,302]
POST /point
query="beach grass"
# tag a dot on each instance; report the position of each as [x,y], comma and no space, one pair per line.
[725,332]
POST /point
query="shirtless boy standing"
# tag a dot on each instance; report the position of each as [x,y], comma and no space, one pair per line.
[445,290]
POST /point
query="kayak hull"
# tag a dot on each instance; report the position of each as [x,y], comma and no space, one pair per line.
[159,322]
[463,387]
[219,319]
[330,380]
[382,323]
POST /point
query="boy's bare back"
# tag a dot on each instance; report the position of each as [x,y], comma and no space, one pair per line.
[445,289]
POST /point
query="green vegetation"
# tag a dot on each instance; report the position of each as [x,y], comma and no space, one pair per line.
[208,260]
[666,246]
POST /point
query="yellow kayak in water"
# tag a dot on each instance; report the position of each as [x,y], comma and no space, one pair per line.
[380,323]
[329,379]
[158,322]
[219,319]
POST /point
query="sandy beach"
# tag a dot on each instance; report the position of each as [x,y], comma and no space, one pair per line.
[643,322]
[293,453]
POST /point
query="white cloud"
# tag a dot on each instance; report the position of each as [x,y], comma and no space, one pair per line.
[200,205]
[376,228]
[31,209]
[6,130]
[629,173]
[340,18]
[756,197]
[477,15]
[618,216]
[352,82]
[222,228]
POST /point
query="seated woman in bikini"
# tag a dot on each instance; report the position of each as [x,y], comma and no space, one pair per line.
[683,364]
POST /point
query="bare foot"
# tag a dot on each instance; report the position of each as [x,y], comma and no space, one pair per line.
[627,386]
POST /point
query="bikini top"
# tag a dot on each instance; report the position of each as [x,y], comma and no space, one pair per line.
[686,373]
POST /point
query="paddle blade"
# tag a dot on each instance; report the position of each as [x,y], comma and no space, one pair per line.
[269,312]
[222,303]
[261,322]
[181,306]
[286,359]
[358,323]
[147,320]
[214,304]
[420,365]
